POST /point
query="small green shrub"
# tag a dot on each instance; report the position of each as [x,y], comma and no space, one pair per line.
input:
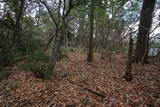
[83,78]
[41,70]
[81,50]
[86,101]
[25,67]
[38,56]
[38,64]
[49,72]
[31,43]
[63,52]
[30,59]
[7,85]
[64,74]
[4,74]
[38,69]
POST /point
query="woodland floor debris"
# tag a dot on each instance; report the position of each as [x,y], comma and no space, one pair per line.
[23,89]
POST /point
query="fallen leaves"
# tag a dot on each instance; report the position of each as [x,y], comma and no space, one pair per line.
[101,76]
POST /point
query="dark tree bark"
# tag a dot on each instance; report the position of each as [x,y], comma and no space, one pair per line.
[61,25]
[128,75]
[142,44]
[90,53]
[12,24]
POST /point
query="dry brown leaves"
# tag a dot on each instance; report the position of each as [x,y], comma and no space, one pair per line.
[101,76]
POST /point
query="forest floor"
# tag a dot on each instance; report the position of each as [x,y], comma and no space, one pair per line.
[81,84]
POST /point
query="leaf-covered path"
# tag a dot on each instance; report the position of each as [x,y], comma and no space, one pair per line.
[81,84]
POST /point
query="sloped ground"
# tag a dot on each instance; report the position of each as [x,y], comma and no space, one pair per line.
[97,84]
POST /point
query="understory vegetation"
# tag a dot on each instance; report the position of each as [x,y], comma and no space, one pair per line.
[79,53]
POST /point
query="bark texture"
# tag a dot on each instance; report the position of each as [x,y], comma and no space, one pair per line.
[128,75]
[144,30]
[90,53]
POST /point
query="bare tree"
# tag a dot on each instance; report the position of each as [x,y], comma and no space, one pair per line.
[90,53]
[142,44]
[128,75]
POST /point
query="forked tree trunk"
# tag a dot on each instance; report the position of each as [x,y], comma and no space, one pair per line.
[18,24]
[141,52]
[90,53]
[128,75]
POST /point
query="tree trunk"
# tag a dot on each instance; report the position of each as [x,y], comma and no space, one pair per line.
[90,53]
[128,75]
[56,48]
[144,30]
[5,59]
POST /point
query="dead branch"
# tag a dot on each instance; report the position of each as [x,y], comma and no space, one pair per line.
[96,66]
[94,92]
[87,89]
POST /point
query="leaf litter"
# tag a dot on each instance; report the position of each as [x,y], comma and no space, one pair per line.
[96,84]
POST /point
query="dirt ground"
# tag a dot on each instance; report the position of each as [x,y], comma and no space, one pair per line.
[81,84]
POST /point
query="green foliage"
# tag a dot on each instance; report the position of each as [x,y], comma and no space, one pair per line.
[38,56]
[64,51]
[83,78]
[80,49]
[86,101]
[64,74]
[25,67]
[38,63]
[30,44]
[4,74]
[100,13]
[49,72]
[155,45]
[7,85]
[158,56]
[7,90]
[41,70]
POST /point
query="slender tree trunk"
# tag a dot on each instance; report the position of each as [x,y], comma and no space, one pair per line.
[56,48]
[66,38]
[143,31]
[128,75]
[18,24]
[90,53]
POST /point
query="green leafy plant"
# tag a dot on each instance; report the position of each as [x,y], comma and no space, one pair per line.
[36,57]
[63,52]
[38,64]
[83,78]
[86,101]
[4,74]
[64,74]
[41,70]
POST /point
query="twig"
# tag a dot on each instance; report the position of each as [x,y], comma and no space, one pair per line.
[96,66]
[94,92]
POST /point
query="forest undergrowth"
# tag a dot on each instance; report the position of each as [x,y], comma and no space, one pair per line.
[77,83]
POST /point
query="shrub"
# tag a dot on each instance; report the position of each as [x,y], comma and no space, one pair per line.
[86,101]
[64,74]
[38,69]
[30,59]
[4,74]
[83,78]
[41,70]
[38,56]
[31,43]
[63,52]
[38,64]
